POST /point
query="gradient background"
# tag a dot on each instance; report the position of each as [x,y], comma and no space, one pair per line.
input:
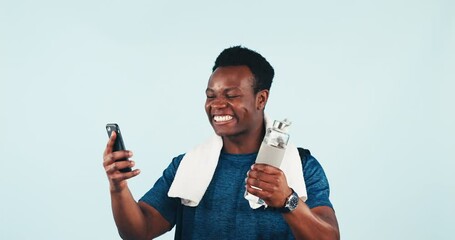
[368,85]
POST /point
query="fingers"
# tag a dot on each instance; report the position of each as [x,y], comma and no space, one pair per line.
[260,183]
[264,195]
[265,182]
[115,161]
[265,175]
[117,166]
[118,179]
[116,156]
[110,143]
[268,183]
[265,168]
[116,176]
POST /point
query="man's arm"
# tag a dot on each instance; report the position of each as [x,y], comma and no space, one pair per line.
[134,220]
[315,223]
[305,223]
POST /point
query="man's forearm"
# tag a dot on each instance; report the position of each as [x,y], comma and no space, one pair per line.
[318,223]
[128,216]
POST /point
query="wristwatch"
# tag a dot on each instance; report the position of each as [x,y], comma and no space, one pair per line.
[291,203]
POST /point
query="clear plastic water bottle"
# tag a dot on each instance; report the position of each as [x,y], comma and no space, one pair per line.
[274,144]
[271,152]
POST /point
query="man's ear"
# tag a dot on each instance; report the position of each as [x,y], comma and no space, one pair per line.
[261,99]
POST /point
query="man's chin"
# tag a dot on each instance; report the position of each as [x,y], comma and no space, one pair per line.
[223,133]
[227,130]
[227,134]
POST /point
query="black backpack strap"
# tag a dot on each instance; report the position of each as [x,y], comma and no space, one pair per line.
[178,224]
[304,155]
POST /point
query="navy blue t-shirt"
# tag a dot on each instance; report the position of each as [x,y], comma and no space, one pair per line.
[223,212]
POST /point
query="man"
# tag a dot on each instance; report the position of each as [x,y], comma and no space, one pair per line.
[237,93]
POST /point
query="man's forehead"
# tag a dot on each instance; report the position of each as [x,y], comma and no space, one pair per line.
[230,84]
[224,89]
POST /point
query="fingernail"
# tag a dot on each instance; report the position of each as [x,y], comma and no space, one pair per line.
[252,166]
[130,154]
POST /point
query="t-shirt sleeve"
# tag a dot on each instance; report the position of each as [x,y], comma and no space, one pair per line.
[317,185]
[157,195]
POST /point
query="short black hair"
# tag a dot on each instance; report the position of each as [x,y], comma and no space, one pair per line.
[238,56]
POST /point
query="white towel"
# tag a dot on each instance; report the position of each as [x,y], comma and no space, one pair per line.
[196,170]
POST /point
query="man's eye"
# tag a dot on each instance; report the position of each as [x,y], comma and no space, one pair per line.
[233,96]
[210,96]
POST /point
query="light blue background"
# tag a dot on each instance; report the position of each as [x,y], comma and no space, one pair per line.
[368,84]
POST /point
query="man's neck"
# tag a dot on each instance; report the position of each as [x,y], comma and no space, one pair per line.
[244,144]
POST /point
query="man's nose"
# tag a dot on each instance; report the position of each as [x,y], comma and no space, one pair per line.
[219,103]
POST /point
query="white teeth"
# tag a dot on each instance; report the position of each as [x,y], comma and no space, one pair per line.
[222,118]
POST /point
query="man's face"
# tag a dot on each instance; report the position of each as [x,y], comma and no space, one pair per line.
[231,106]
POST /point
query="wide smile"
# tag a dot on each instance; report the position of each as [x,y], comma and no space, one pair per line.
[222,119]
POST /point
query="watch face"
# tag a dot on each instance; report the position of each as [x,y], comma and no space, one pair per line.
[293,201]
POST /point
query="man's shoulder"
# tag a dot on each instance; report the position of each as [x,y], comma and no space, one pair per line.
[304,155]
[177,160]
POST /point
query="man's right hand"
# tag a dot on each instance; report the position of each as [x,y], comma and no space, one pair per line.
[117,179]
[134,220]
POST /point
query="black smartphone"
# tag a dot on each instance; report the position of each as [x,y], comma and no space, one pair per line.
[118,144]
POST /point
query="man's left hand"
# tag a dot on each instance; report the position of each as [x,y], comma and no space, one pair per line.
[272,184]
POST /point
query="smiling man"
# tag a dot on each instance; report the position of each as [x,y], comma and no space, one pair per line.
[202,192]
